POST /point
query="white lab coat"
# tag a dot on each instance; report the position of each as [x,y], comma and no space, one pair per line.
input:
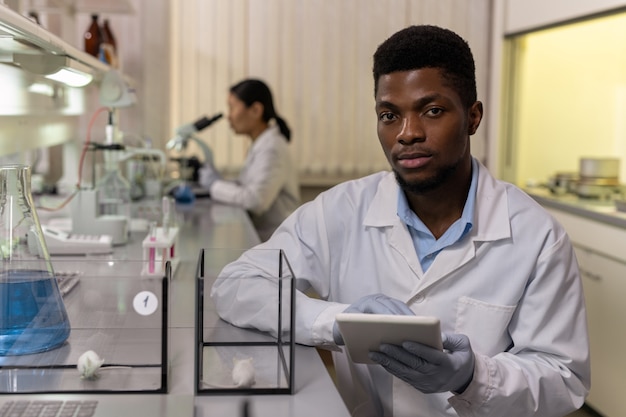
[512,285]
[267,186]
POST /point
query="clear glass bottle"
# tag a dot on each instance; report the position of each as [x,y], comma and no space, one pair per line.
[32,314]
[114,190]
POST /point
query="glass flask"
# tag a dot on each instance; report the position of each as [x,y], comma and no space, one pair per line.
[32,314]
[113,191]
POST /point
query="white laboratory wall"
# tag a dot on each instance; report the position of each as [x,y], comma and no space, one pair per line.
[316,57]
[525,15]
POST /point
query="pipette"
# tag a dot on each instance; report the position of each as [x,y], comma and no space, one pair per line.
[152,250]
[165,206]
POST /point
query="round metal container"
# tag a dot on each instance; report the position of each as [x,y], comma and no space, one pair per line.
[602,171]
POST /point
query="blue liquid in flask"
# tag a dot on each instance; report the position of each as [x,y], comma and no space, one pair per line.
[32,314]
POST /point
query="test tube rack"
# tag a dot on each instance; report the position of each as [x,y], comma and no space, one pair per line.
[159,248]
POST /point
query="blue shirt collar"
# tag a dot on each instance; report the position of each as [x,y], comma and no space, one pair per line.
[426,246]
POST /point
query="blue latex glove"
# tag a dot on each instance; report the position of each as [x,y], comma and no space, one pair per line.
[430,370]
[208,175]
[373,304]
[183,194]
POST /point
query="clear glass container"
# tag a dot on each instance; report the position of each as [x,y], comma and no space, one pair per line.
[32,314]
[113,190]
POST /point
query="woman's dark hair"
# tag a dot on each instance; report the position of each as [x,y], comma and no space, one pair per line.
[427,46]
[250,91]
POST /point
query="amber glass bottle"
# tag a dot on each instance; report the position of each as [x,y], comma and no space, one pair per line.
[93,37]
[108,34]
[108,46]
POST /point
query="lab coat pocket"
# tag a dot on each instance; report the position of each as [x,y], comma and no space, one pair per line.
[485,324]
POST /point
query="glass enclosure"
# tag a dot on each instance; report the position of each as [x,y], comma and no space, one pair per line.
[119,334]
[564,99]
[229,359]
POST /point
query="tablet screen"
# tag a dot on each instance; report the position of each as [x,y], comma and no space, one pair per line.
[363,333]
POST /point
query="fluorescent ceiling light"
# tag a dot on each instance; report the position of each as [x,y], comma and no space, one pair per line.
[56,67]
[71,77]
[43,89]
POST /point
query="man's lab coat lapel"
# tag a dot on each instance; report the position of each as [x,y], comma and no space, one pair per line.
[491,223]
[383,212]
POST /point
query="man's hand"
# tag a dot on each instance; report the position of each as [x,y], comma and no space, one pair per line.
[374,304]
[427,369]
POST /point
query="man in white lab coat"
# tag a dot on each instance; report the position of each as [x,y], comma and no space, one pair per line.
[438,236]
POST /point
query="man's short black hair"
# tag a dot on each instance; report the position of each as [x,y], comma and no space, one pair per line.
[427,46]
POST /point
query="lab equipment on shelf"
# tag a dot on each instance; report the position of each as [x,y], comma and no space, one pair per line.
[93,37]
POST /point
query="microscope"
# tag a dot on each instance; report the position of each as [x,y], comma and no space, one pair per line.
[185,134]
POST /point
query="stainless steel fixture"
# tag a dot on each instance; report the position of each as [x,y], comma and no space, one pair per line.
[598,178]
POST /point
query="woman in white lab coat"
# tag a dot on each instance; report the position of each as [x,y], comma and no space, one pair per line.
[267,187]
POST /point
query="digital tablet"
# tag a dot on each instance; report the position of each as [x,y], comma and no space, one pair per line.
[363,333]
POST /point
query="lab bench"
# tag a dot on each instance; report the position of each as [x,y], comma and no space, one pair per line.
[228,230]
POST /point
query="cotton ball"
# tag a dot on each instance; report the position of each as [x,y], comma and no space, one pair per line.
[243,373]
[88,365]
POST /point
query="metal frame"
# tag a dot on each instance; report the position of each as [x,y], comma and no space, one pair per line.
[164,365]
[287,362]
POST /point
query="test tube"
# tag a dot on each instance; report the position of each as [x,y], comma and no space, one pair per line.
[152,249]
[165,206]
[167,220]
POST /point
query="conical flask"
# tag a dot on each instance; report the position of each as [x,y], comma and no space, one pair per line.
[32,314]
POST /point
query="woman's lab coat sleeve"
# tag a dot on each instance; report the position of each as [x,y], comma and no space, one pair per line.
[546,371]
[265,173]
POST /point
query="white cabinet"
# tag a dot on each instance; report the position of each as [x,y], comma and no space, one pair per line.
[601,257]
[78,6]
[522,16]
[604,282]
